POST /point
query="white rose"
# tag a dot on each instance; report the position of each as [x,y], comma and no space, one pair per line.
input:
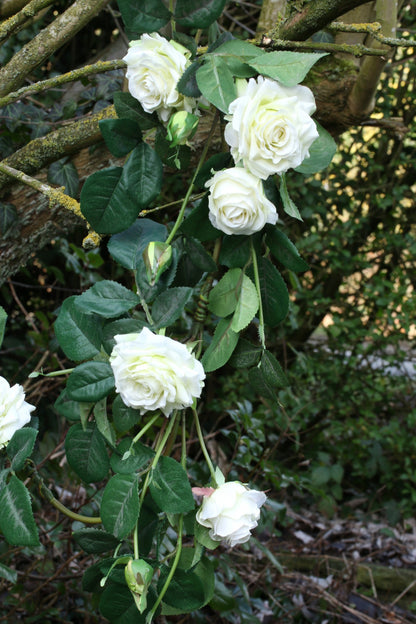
[230,512]
[237,203]
[155,372]
[154,66]
[14,411]
[269,126]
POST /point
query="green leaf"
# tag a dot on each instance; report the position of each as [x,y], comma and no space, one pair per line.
[90,382]
[185,591]
[272,371]
[78,333]
[197,223]
[138,456]
[235,251]
[216,83]
[170,487]
[21,446]
[274,294]
[128,246]
[201,258]
[198,14]
[120,505]
[214,163]
[187,84]
[284,250]
[149,292]
[120,326]
[245,354]
[64,173]
[95,540]
[66,407]
[87,453]
[3,319]
[117,605]
[8,574]
[8,217]
[120,135]
[111,199]
[107,298]
[260,384]
[124,417]
[127,107]
[169,305]
[223,298]
[201,534]
[16,519]
[320,475]
[146,16]
[289,68]
[237,54]
[288,205]
[103,424]
[247,305]
[321,153]
[221,348]
[223,599]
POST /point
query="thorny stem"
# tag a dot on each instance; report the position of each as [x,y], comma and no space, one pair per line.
[191,186]
[203,446]
[257,282]
[151,613]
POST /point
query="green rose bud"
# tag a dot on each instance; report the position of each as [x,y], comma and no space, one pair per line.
[157,258]
[138,575]
[181,127]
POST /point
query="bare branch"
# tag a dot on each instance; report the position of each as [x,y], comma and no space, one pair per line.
[36,51]
[15,23]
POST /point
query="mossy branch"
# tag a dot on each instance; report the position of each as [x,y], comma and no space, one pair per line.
[65,141]
[373,29]
[56,81]
[16,22]
[314,16]
[10,7]
[55,196]
[354,49]
[51,38]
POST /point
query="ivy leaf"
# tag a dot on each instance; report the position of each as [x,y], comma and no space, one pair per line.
[64,173]
[8,217]
[146,16]
[198,14]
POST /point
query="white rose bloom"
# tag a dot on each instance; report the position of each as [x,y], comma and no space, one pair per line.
[237,203]
[155,372]
[230,512]
[269,126]
[14,411]
[154,66]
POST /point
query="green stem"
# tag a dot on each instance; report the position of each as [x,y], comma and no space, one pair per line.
[144,429]
[163,591]
[356,49]
[183,451]
[203,446]
[257,282]
[191,186]
[159,450]
[145,306]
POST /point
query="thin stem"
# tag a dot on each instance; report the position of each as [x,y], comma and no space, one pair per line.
[143,213]
[191,186]
[144,429]
[136,540]
[356,49]
[151,613]
[145,306]
[257,283]
[183,451]
[159,450]
[203,446]
[56,81]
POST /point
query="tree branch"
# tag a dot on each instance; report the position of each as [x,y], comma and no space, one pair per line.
[56,81]
[66,141]
[15,23]
[314,16]
[10,7]
[36,51]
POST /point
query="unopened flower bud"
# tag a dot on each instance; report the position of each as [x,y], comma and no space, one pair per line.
[157,258]
[138,576]
[181,127]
